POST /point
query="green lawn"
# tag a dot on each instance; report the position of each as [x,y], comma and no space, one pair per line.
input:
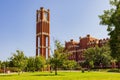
[62,76]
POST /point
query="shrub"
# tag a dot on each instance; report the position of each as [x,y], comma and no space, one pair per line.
[13,69]
[1,71]
[113,70]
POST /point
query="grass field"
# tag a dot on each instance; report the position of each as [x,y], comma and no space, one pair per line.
[62,75]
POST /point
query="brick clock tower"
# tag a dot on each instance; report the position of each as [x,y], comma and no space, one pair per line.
[43,33]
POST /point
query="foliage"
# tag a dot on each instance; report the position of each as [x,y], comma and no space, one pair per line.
[97,56]
[39,63]
[1,71]
[56,61]
[113,70]
[58,57]
[19,60]
[0,64]
[111,18]
[13,69]
[91,64]
[35,63]
[69,64]
[31,64]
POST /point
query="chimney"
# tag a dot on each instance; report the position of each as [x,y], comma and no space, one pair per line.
[88,35]
[71,40]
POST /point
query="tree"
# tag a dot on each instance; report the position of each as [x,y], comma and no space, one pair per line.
[31,64]
[5,66]
[69,64]
[0,64]
[59,56]
[39,63]
[19,60]
[89,55]
[5,63]
[105,55]
[111,18]
[97,56]
[35,63]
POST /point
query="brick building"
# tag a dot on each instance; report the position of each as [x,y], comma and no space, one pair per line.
[76,48]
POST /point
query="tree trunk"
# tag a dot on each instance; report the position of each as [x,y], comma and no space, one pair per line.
[119,66]
[55,70]
[18,72]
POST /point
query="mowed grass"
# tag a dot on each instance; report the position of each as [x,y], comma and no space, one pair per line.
[62,75]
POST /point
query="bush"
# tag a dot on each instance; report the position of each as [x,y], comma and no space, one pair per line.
[1,71]
[13,69]
[113,70]
[83,70]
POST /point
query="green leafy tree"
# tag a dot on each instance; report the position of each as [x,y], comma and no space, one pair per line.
[69,64]
[105,57]
[5,63]
[111,18]
[5,66]
[19,60]
[31,64]
[89,55]
[39,63]
[91,64]
[59,56]
[0,64]
[98,56]
[35,63]
[55,62]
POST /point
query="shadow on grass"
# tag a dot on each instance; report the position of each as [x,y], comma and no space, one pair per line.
[114,70]
[5,75]
[47,75]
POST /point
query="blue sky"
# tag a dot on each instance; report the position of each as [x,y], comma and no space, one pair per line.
[70,19]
